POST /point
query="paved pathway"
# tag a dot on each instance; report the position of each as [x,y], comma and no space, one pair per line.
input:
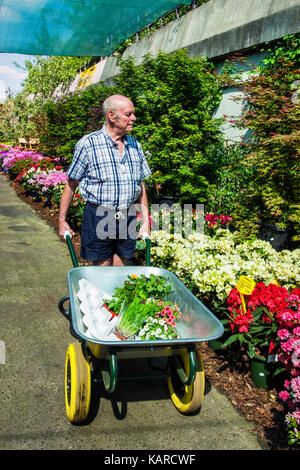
[140,415]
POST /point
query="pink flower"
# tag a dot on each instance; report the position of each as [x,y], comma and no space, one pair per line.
[296,357]
[295,415]
[284,395]
[287,384]
[286,316]
[283,334]
[243,329]
[288,345]
[295,386]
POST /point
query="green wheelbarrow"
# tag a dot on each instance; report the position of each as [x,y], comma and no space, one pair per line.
[184,372]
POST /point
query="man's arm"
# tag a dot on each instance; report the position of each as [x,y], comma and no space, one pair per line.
[143,201]
[66,199]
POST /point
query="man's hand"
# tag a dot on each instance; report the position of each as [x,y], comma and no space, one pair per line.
[66,198]
[144,230]
[64,227]
[143,201]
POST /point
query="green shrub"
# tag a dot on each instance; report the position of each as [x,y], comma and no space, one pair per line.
[175,96]
[70,119]
[273,116]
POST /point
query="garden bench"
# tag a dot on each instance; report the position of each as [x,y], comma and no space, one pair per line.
[31,143]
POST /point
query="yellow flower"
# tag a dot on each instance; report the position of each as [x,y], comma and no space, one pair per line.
[134,276]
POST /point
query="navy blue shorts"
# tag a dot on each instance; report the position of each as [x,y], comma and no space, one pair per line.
[102,235]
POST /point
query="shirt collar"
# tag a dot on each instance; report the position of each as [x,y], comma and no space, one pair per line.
[110,140]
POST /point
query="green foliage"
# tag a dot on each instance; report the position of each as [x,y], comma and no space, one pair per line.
[287,47]
[133,315]
[174,97]
[233,177]
[70,119]
[271,113]
[45,74]
[23,115]
[142,287]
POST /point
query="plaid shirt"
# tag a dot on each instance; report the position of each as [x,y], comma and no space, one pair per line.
[104,176]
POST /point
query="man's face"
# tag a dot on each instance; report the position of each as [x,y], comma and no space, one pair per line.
[124,117]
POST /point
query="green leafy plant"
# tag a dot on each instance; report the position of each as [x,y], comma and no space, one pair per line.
[271,115]
[133,315]
[24,115]
[142,286]
[174,97]
[70,119]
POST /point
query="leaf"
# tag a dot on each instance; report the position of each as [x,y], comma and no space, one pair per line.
[231,340]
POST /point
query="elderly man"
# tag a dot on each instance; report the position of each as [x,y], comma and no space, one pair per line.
[109,167]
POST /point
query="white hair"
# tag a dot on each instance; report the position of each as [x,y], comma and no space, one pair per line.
[111,104]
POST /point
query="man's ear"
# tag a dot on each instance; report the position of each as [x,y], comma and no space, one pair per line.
[111,115]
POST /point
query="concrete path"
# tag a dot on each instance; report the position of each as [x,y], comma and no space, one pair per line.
[35,336]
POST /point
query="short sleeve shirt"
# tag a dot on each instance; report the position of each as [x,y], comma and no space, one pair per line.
[105,177]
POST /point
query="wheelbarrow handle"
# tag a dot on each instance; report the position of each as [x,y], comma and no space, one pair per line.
[68,237]
[66,312]
[147,239]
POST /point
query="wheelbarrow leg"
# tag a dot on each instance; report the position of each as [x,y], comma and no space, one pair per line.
[110,377]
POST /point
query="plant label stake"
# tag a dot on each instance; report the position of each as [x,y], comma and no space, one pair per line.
[245,286]
[156,176]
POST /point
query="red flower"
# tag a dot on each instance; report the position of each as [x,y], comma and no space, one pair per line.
[241,321]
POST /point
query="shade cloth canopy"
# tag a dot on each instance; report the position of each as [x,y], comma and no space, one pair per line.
[75,27]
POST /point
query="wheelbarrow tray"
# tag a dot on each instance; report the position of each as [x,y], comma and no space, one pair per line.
[196,325]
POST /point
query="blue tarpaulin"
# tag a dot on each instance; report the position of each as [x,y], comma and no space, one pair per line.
[75,27]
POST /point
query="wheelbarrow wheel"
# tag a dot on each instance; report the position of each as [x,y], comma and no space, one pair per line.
[188,398]
[77,383]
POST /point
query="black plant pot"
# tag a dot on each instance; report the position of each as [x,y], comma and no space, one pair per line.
[278,238]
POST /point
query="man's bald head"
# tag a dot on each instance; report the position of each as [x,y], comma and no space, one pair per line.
[111,104]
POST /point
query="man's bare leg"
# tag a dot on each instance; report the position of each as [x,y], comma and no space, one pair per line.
[114,260]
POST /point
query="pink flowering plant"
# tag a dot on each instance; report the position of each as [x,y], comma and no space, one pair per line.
[291,397]
[163,324]
[14,161]
[214,222]
[289,355]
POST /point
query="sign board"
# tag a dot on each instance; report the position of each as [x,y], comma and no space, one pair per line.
[245,285]
[86,77]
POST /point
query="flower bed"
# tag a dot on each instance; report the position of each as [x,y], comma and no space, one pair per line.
[41,177]
[212,266]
